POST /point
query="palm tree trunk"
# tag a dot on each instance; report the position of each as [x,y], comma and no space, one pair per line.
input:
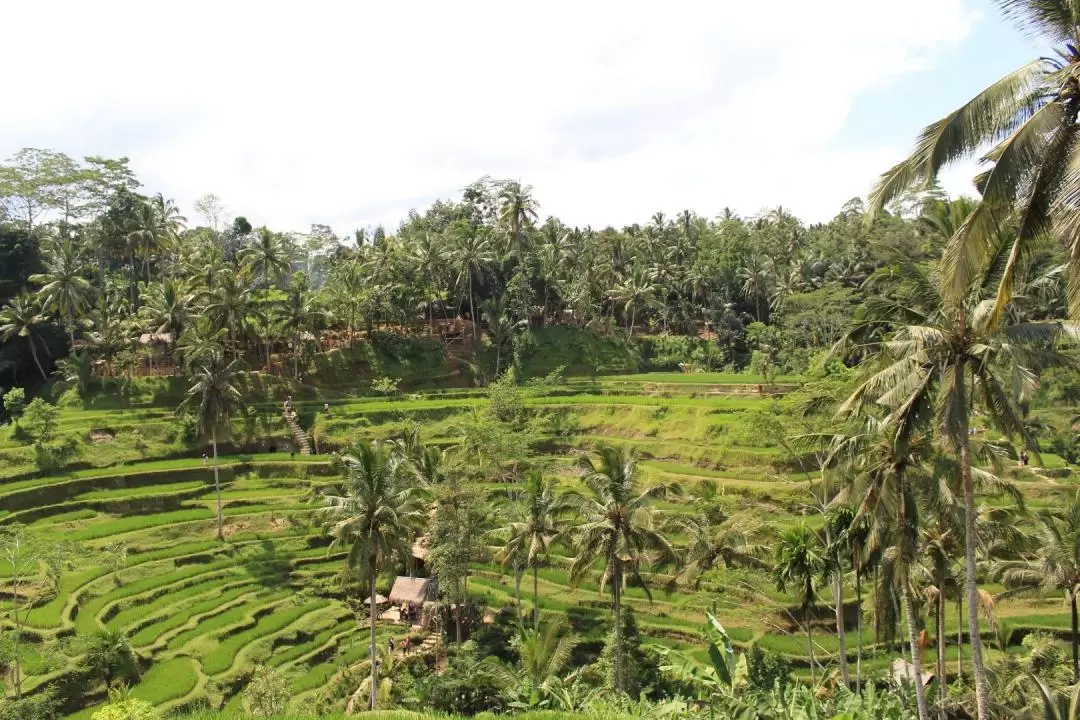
[34,355]
[296,355]
[633,317]
[841,639]
[217,486]
[942,670]
[1075,640]
[971,539]
[617,658]
[374,663]
[858,621]
[472,308]
[809,643]
[959,634]
[536,599]
[916,652]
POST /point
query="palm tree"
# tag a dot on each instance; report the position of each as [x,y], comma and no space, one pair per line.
[801,560]
[1029,117]
[64,290]
[637,289]
[231,306]
[376,516]
[941,356]
[755,279]
[471,253]
[619,529]
[1056,564]
[500,327]
[528,537]
[299,313]
[731,542]
[267,257]
[214,398]
[542,656]
[517,212]
[23,317]
[167,308]
[110,655]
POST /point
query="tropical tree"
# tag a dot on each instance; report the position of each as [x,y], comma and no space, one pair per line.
[731,542]
[529,535]
[267,257]
[471,252]
[300,313]
[376,515]
[942,355]
[64,289]
[543,654]
[23,317]
[517,212]
[1056,564]
[110,656]
[638,289]
[618,528]
[1028,118]
[801,561]
[214,397]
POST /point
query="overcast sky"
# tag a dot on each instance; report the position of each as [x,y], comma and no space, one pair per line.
[351,112]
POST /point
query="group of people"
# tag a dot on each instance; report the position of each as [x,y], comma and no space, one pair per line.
[406,645]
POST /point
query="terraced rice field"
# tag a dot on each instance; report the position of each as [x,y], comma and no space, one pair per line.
[201,613]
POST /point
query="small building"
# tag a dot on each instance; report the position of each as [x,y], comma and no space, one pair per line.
[413,592]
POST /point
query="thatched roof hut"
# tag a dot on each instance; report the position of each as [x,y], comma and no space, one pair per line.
[411,591]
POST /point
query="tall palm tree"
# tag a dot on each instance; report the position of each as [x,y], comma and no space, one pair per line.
[214,397]
[232,306]
[1056,564]
[619,529]
[23,317]
[1029,119]
[943,355]
[64,289]
[168,308]
[267,257]
[801,561]
[500,326]
[528,537]
[638,289]
[517,212]
[471,253]
[377,516]
[755,278]
[300,313]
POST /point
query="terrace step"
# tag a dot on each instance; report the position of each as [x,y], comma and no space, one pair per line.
[298,434]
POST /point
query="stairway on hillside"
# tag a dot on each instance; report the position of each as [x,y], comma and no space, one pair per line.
[299,436]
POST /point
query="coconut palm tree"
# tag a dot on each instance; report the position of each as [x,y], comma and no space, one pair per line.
[214,397]
[543,654]
[801,561]
[300,313]
[167,308]
[731,542]
[517,212]
[619,529]
[1056,564]
[376,515]
[23,317]
[471,253]
[267,257]
[64,289]
[529,535]
[638,289]
[232,306]
[942,356]
[1029,120]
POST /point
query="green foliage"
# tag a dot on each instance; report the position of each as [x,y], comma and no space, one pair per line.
[267,693]
[41,706]
[14,403]
[506,402]
[123,707]
[39,421]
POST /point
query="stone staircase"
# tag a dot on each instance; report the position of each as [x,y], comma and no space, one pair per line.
[299,436]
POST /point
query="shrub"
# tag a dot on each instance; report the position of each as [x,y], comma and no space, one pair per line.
[42,706]
[124,707]
[39,421]
[267,693]
[507,405]
[14,402]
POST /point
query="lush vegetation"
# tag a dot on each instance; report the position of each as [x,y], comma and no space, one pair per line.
[731,466]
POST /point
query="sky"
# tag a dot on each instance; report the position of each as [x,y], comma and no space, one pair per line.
[351,113]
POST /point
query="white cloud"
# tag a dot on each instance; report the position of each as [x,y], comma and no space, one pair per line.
[350,113]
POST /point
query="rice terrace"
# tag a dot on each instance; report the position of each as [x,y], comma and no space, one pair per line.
[486,463]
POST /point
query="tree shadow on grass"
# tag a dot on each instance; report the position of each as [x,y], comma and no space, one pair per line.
[270,567]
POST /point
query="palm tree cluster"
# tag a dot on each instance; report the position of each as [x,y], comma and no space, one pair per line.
[131,284]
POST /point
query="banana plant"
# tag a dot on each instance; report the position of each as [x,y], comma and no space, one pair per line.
[726,672]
